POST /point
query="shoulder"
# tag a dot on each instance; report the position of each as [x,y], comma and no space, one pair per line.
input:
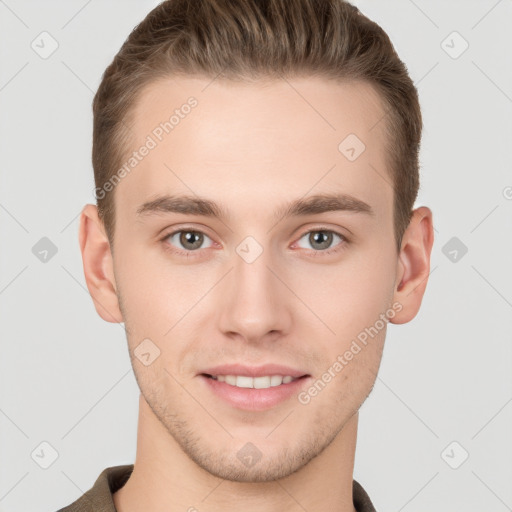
[362,501]
[99,497]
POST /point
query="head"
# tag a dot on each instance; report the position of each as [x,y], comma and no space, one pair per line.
[265,123]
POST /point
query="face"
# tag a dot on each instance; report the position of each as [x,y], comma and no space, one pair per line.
[246,279]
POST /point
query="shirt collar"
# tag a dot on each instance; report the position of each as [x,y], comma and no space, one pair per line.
[99,497]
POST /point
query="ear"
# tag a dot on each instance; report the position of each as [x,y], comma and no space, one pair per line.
[98,265]
[413,265]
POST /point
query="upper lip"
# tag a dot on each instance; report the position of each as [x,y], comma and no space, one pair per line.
[254,371]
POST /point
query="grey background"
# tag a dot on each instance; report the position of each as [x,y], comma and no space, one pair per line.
[66,377]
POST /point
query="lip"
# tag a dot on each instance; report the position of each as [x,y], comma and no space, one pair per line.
[254,371]
[252,399]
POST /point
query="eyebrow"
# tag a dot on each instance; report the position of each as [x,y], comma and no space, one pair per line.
[312,205]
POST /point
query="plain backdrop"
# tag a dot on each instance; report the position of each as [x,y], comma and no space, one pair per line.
[435,434]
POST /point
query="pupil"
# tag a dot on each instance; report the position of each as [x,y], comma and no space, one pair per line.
[191,237]
[317,238]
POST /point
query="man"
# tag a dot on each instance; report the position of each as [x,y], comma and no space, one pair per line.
[256,167]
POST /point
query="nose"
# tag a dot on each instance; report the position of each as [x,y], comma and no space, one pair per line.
[255,305]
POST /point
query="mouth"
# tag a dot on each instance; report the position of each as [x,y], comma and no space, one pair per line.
[254,388]
[261,382]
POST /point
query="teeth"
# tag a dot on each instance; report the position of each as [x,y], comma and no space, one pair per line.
[242,381]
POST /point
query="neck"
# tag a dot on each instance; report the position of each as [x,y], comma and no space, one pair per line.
[165,477]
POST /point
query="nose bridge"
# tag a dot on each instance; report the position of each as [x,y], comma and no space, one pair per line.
[253,303]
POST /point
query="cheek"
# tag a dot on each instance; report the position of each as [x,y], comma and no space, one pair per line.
[155,293]
[350,299]
[349,295]
[162,303]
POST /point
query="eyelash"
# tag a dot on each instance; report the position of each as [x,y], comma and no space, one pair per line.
[193,254]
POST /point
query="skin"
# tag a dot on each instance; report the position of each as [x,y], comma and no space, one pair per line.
[253,148]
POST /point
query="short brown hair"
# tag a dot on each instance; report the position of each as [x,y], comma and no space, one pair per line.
[251,39]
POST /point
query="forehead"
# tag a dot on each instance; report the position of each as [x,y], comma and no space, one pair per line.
[258,140]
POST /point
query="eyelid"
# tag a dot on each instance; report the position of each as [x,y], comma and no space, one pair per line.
[327,229]
[182,252]
[344,240]
[176,229]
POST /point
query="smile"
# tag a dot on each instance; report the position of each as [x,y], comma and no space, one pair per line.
[263,382]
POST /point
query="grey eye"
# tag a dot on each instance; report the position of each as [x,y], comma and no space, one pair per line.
[188,239]
[320,239]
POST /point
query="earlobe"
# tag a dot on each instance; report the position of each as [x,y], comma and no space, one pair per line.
[413,266]
[98,265]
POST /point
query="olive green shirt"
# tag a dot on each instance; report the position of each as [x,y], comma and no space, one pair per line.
[99,497]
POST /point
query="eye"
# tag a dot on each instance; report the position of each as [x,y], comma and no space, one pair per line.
[321,240]
[186,242]
[188,239]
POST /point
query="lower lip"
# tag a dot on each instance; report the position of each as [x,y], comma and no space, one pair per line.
[251,399]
